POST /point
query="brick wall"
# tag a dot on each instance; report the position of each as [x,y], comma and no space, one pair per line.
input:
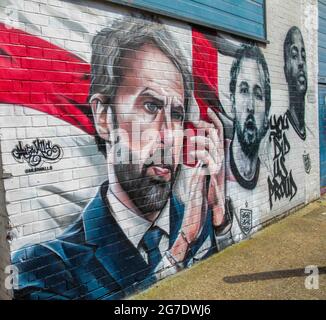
[4,246]
[93,95]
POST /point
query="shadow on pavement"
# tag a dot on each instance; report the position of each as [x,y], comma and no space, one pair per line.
[279,274]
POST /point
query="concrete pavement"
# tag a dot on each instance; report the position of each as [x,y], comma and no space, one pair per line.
[270,265]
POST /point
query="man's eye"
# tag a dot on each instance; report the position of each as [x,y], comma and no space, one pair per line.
[177,115]
[151,107]
[303,55]
[259,96]
[244,90]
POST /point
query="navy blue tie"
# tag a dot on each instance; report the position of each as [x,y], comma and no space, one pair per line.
[150,242]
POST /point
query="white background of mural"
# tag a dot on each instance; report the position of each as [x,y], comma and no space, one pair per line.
[41,205]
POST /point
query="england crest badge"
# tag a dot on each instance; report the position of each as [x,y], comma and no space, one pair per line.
[246,221]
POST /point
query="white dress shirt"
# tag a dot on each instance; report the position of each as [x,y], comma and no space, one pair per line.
[134,227]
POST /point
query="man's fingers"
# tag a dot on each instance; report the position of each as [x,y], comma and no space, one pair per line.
[216,121]
[204,156]
[216,124]
[213,136]
[196,185]
[207,144]
[216,139]
[202,142]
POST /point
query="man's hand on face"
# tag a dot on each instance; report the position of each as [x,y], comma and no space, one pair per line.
[209,153]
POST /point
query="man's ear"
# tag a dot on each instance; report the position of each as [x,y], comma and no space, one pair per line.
[102,120]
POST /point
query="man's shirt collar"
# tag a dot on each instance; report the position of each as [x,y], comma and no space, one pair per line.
[133,226]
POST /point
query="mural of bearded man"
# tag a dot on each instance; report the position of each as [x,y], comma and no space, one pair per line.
[136,226]
[251,99]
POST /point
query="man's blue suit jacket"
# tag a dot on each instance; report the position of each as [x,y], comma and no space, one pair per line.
[94,259]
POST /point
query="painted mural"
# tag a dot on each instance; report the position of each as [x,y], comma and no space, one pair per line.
[295,70]
[250,93]
[151,148]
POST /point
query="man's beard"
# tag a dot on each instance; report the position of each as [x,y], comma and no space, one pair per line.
[249,137]
[149,194]
[298,85]
[301,81]
[297,93]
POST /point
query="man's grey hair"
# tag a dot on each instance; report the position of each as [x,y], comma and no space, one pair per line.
[110,46]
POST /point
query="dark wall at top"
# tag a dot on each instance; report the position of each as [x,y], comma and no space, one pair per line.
[322,40]
[245,17]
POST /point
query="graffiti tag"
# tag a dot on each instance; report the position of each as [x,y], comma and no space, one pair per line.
[282,184]
[38,152]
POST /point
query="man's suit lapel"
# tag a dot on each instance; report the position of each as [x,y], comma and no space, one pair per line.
[113,250]
[177,209]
